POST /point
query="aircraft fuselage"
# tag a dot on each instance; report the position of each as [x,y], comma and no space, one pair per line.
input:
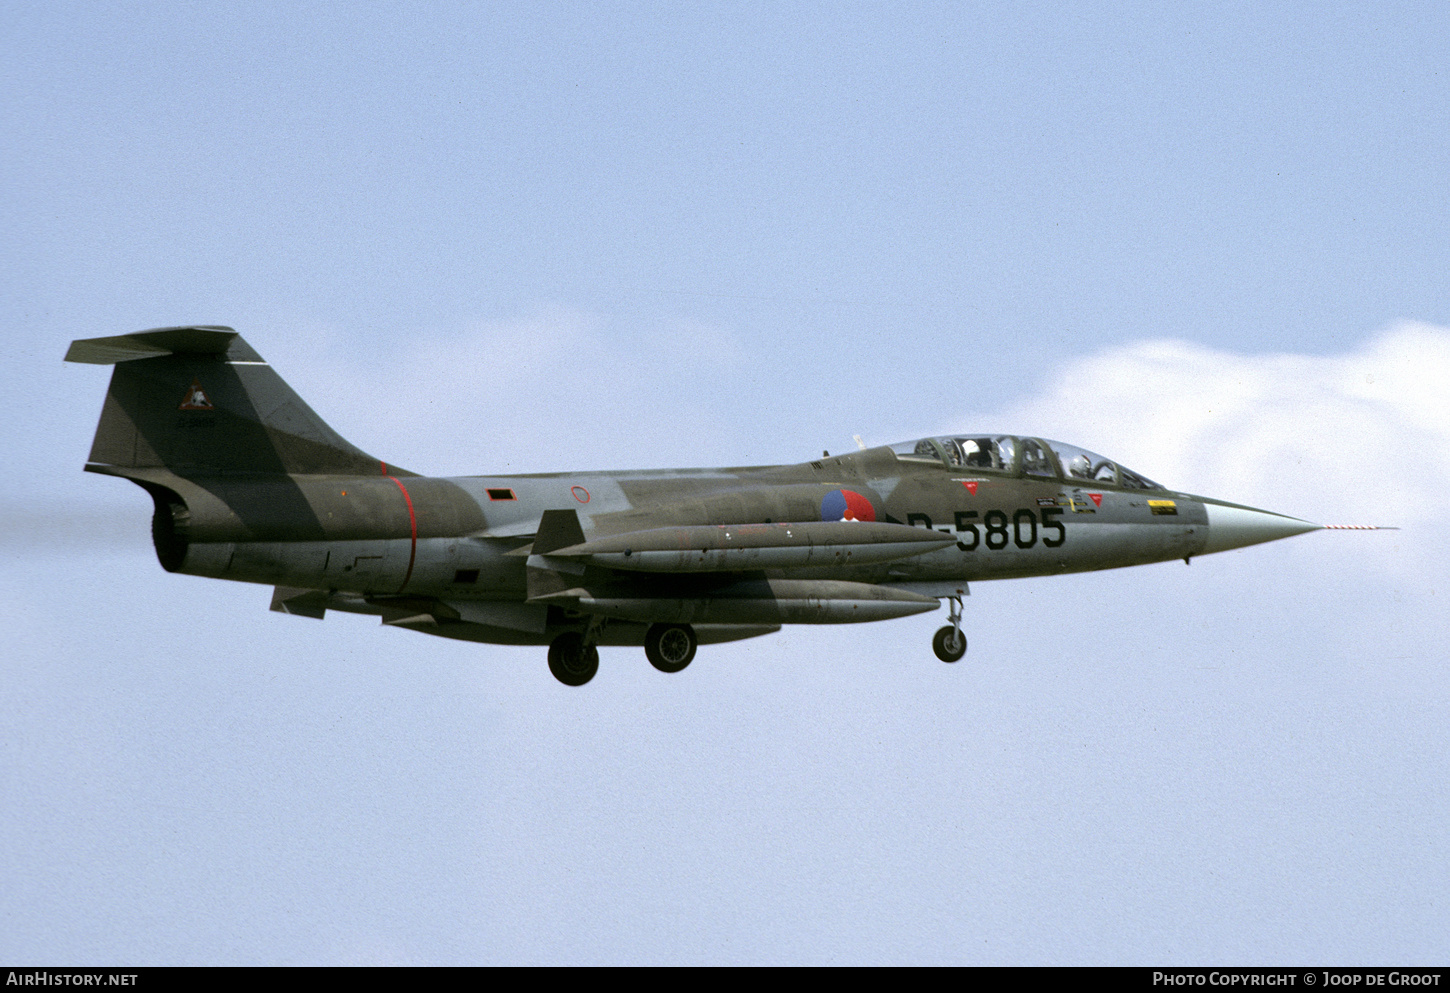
[250,484]
[458,537]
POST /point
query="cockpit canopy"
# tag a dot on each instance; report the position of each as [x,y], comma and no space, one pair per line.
[1010,455]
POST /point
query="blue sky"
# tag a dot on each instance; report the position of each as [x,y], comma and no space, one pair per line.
[1207,241]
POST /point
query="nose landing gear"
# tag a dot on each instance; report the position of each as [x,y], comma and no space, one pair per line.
[949,643]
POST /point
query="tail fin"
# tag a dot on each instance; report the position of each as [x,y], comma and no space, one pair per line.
[199,399]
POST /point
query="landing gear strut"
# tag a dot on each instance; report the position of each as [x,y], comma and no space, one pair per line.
[949,643]
[572,661]
[670,647]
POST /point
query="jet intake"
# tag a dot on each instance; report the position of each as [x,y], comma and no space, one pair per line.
[742,547]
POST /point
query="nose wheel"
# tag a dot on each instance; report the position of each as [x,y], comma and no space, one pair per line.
[949,643]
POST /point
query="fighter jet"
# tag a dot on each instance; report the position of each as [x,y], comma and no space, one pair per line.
[249,484]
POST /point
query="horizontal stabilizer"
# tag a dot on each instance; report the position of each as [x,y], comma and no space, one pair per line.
[737,547]
[200,340]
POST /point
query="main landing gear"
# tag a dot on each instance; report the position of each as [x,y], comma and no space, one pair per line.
[573,662]
[574,658]
[670,647]
[949,643]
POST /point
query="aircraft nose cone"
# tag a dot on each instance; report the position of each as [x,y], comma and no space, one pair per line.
[1235,527]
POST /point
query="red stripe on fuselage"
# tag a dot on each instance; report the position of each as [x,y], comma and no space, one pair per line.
[413,524]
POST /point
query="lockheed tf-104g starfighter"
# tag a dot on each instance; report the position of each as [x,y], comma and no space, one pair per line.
[250,484]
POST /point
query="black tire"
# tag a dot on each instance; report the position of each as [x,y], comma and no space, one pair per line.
[949,644]
[571,663]
[670,647]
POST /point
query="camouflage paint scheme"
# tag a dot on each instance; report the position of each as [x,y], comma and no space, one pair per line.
[249,484]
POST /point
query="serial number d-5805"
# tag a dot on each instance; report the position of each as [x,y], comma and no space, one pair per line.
[996,529]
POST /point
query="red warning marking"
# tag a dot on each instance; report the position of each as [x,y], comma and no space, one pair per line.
[971,486]
[580,494]
[413,526]
[195,398]
[1096,498]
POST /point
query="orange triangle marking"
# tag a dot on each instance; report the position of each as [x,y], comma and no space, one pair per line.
[1097,499]
[195,398]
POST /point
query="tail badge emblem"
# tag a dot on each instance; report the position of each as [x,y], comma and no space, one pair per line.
[195,398]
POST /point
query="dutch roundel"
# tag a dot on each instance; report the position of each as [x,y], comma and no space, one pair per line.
[843,505]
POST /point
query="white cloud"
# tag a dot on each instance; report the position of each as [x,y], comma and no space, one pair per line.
[1358,438]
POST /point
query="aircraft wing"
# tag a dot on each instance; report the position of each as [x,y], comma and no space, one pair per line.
[714,573]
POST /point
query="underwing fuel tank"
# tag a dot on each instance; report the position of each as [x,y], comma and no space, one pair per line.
[741,547]
[771,601]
